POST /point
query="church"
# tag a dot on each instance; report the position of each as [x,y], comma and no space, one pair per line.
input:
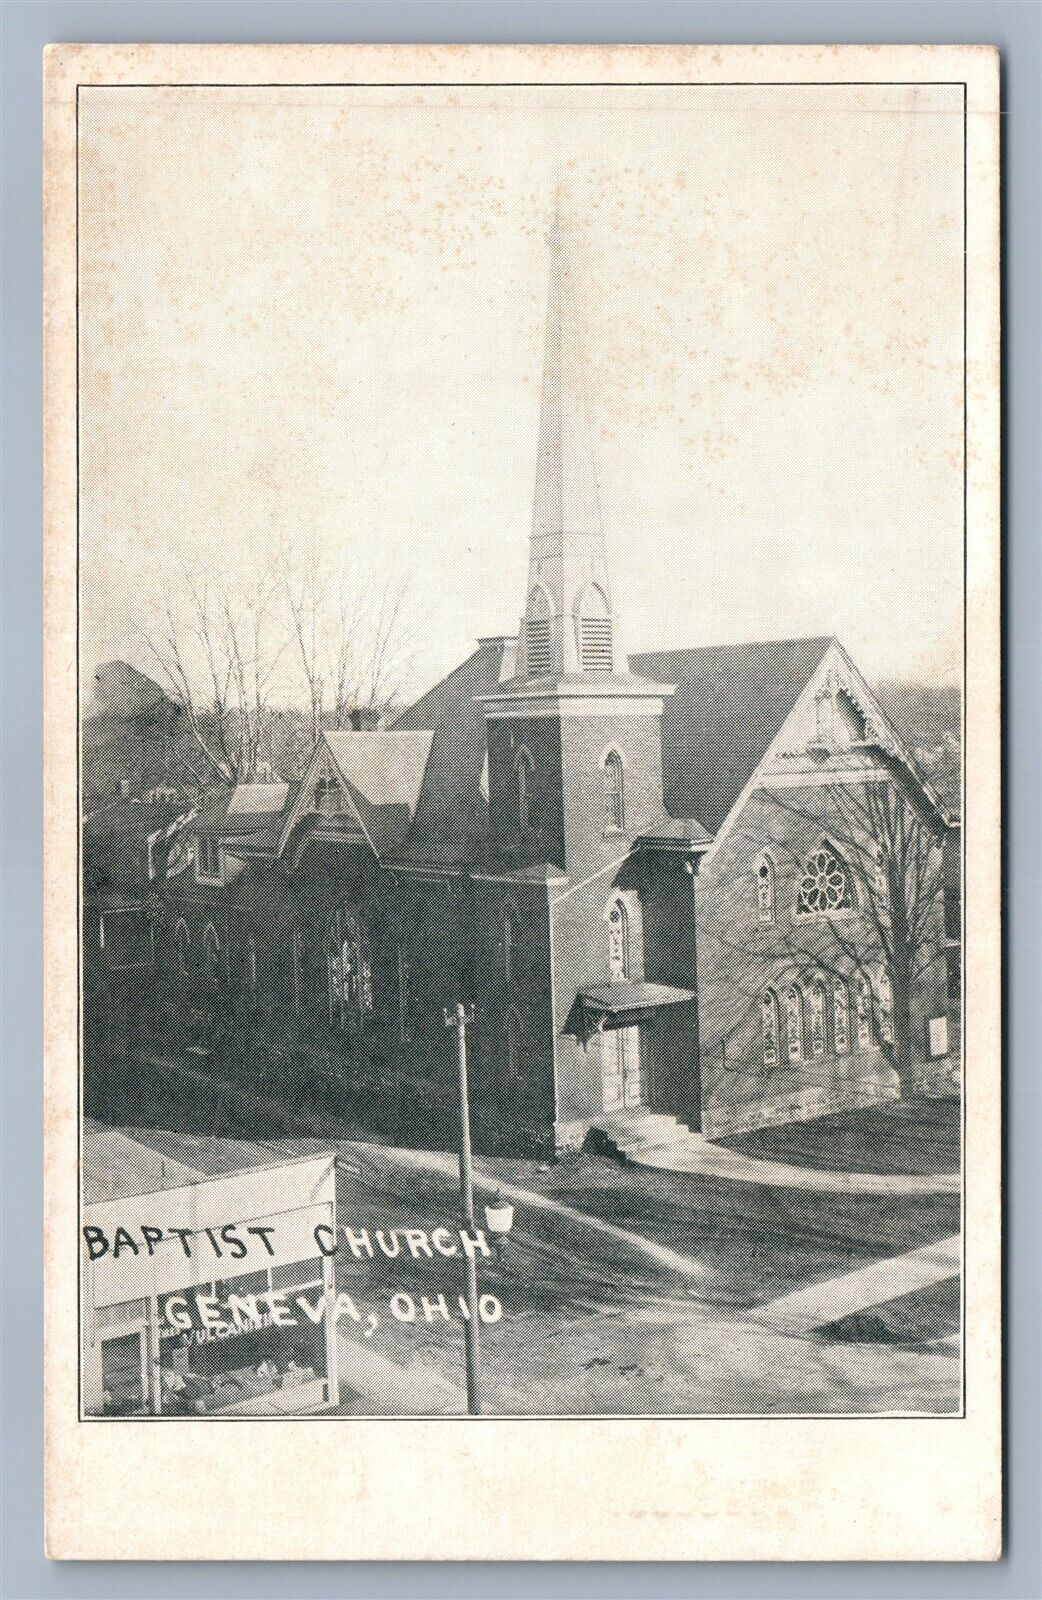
[706,886]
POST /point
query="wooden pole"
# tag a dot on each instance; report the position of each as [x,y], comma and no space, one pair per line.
[458,1016]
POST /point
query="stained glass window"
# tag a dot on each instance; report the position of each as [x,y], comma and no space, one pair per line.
[824,885]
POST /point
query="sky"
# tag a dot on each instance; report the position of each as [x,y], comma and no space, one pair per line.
[312,319]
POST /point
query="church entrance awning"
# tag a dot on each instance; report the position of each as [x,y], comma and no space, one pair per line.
[603,1006]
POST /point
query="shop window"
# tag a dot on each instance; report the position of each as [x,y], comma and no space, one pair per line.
[765,888]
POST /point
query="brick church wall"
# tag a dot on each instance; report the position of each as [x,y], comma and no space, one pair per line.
[739,957]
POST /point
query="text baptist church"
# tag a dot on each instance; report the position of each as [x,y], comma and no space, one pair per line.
[630,866]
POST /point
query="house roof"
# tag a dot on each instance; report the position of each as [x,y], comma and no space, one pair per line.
[730,702]
[245,810]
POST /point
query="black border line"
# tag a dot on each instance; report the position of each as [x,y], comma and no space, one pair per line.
[628,1416]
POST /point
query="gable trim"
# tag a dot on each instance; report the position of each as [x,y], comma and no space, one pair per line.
[323,750]
[834,659]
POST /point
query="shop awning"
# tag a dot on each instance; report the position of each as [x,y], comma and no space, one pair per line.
[615,1005]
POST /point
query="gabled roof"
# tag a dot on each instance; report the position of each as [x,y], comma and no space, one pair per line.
[247,809]
[730,702]
[382,773]
[452,814]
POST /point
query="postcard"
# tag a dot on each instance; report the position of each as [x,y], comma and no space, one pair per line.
[523,932]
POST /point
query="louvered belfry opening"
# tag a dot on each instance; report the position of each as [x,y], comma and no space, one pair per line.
[595,644]
[595,635]
[538,652]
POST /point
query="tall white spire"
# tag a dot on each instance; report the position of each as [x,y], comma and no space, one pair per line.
[569,625]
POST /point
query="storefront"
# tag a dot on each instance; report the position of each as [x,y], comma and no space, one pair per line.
[206,1292]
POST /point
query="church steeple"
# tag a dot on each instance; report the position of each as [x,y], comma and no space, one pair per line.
[569,626]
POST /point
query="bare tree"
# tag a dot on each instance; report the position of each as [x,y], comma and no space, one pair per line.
[218,651]
[890,846]
[352,638]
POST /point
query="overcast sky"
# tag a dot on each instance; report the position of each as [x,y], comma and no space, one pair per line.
[315,316]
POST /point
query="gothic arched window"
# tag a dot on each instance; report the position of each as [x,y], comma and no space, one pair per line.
[614,792]
[769,1015]
[765,888]
[824,884]
[818,1024]
[864,1012]
[513,1047]
[538,654]
[524,772]
[794,1023]
[508,945]
[595,631]
[881,878]
[618,943]
[211,955]
[886,1007]
[840,1017]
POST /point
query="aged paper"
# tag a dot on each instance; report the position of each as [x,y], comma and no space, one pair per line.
[522,803]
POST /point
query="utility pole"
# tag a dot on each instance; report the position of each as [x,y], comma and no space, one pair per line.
[457,1017]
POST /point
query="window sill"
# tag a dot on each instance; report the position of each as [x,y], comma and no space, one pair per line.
[613,833]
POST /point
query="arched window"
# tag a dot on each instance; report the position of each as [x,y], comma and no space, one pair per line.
[818,1025]
[524,772]
[538,653]
[794,1023]
[512,1049]
[864,1012]
[765,888]
[618,943]
[181,947]
[211,955]
[595,631]
[886,1007]
[769,1016]
[824,884]
[508,945]
[881,878]
[614,792]
[840,1017]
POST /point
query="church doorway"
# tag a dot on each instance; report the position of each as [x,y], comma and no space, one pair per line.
[622,1083]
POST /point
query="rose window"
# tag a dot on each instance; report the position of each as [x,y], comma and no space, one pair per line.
[824,885]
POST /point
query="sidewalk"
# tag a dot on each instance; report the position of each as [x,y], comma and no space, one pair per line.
[806,1309]
[696,1154]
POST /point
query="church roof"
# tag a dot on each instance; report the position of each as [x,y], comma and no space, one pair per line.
[729,703]
[452,813]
